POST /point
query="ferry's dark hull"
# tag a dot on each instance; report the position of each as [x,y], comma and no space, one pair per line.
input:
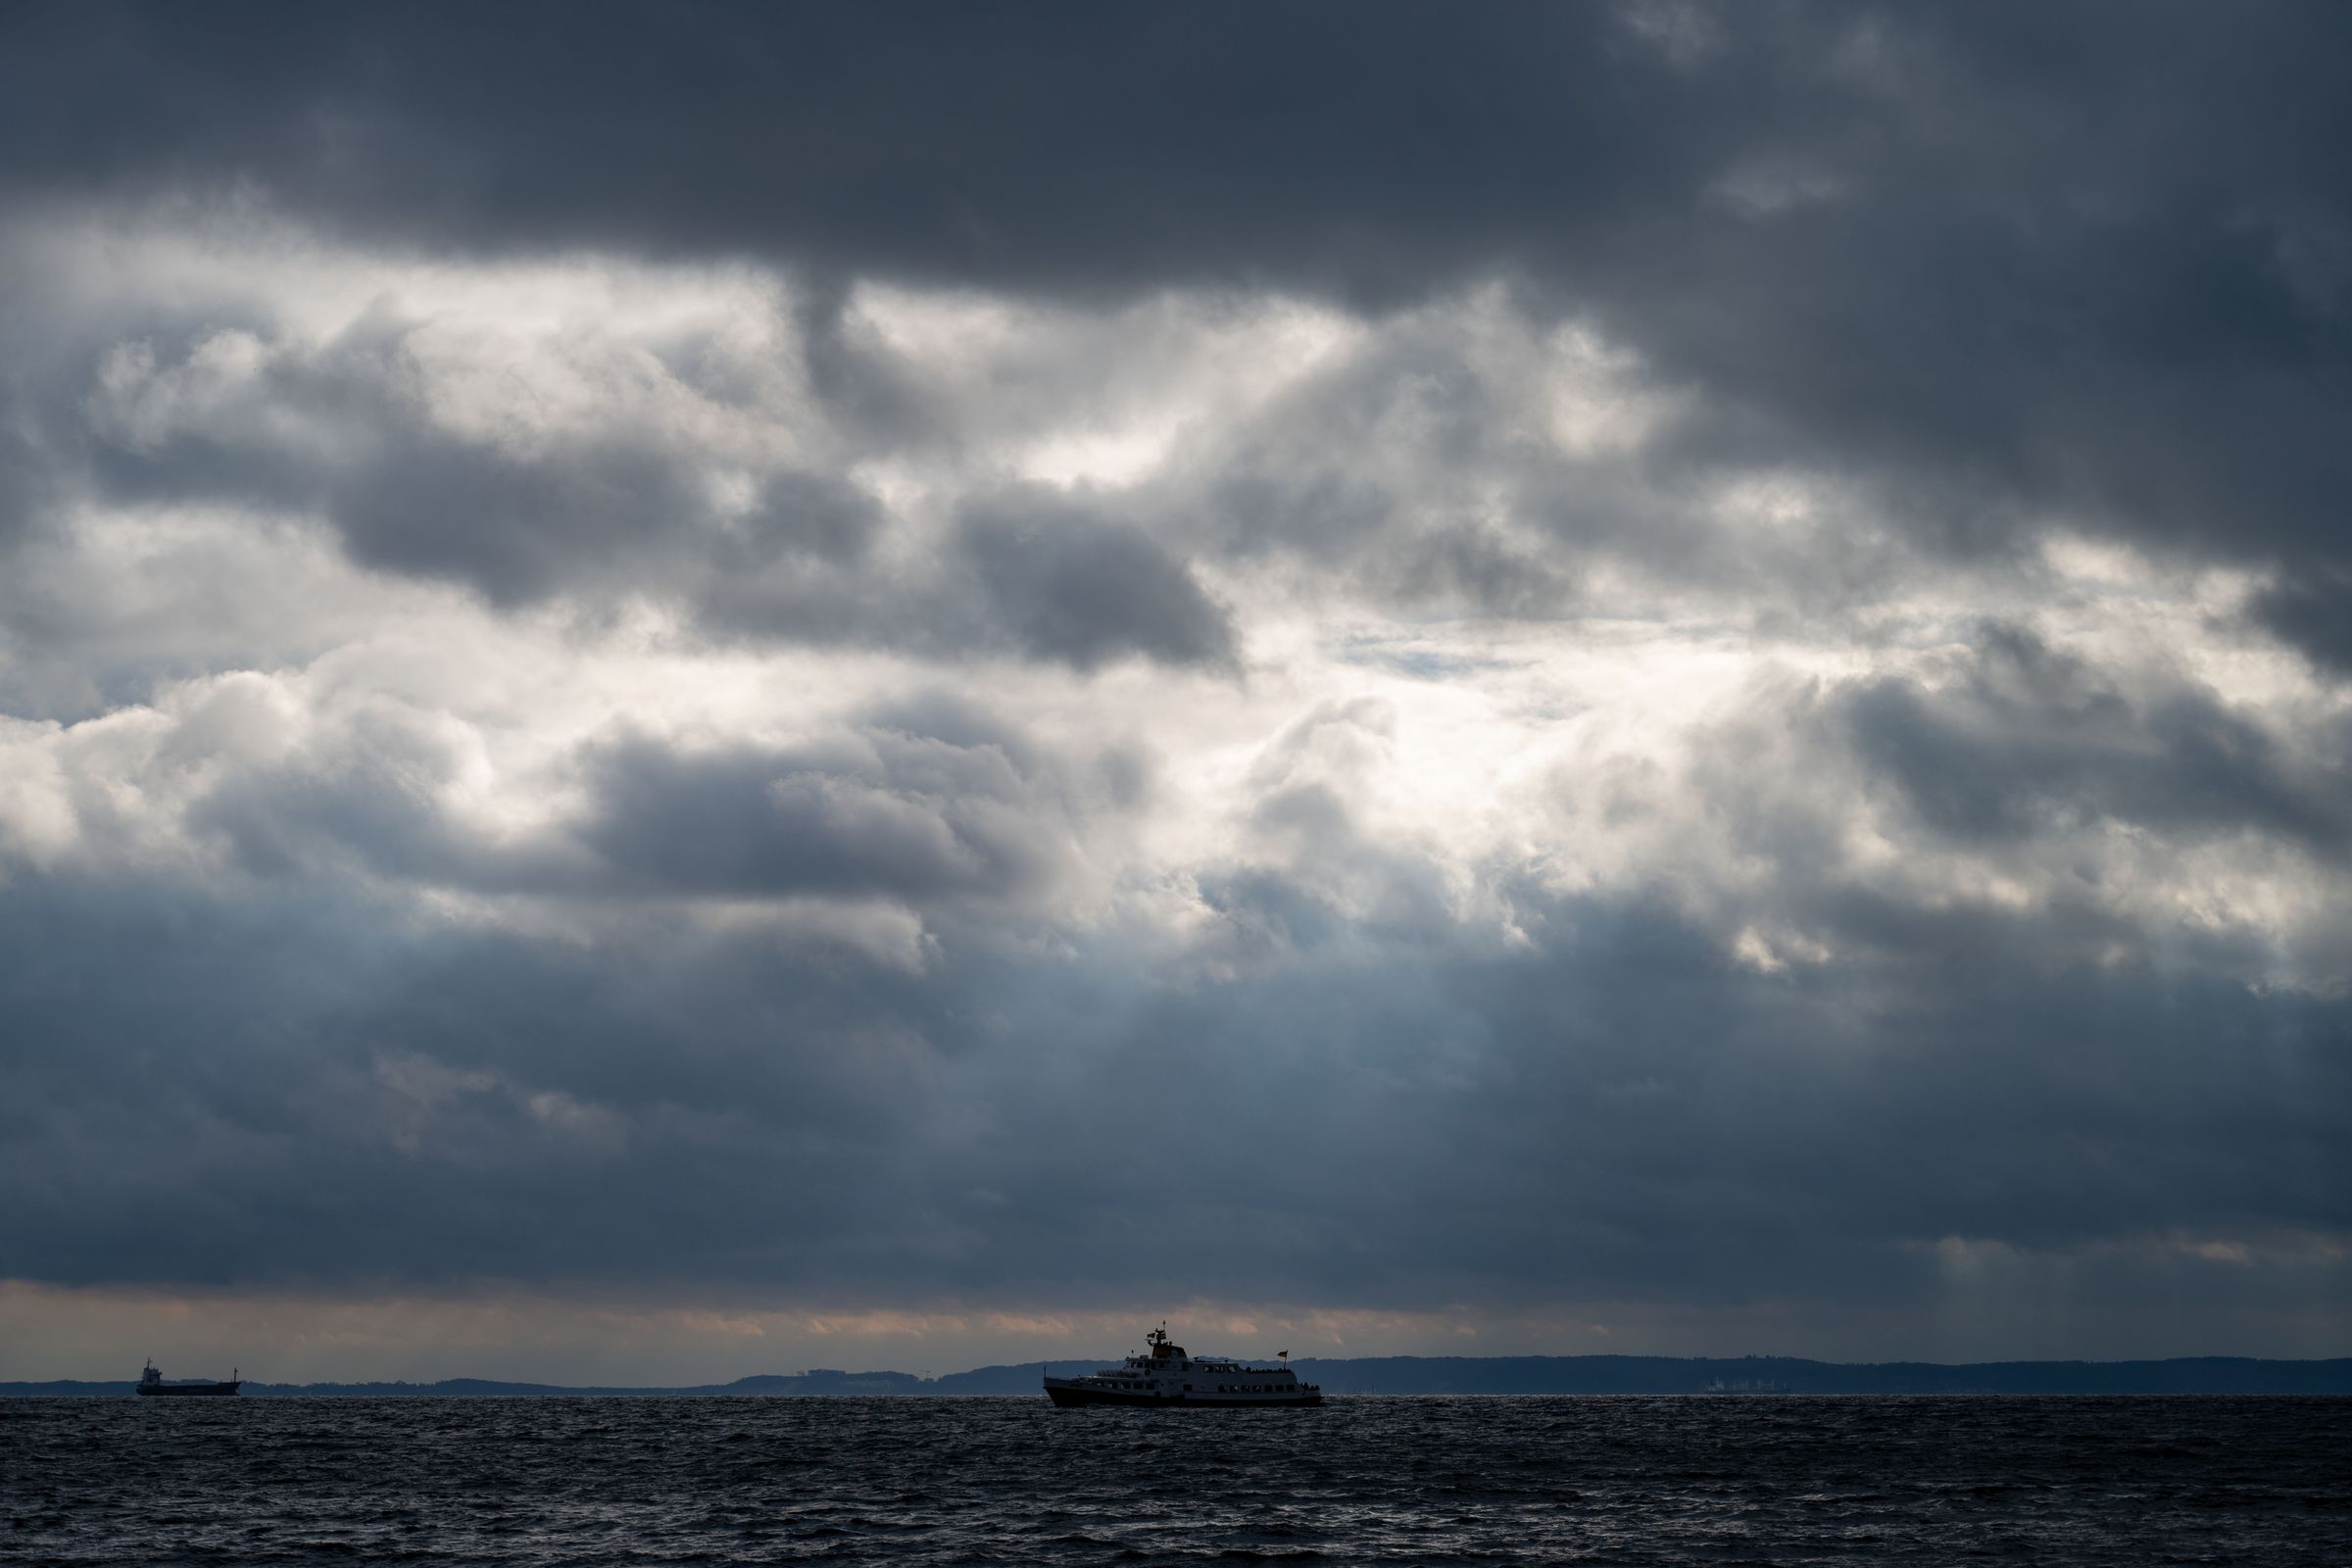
[186,1390]
[1155,1402]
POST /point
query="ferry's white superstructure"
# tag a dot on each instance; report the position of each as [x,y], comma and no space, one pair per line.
[1165,1375]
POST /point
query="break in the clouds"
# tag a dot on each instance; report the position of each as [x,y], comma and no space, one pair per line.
[1646,677]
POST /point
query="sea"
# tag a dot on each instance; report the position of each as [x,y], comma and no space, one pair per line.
[1769,1478]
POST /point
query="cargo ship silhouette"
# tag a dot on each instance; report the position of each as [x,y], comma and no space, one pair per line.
[152,1382]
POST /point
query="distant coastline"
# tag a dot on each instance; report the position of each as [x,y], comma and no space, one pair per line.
[1437,1375]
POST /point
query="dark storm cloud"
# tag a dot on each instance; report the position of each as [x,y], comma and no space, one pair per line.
[27,468]
[896,815]
[22,487]
[2029,741]
[391,1070]
[1605,1110]
[343,433]
[926,800]
[1023,571]
[802,514]
[2313,613]
[2005,806]
[1035,143]
[1390,471]
[1087,590]
[450,509]
[1355,1093]
[2004,265]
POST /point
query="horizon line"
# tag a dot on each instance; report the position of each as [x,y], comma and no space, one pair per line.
[997,1372]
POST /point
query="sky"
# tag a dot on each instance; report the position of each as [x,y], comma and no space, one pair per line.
[693,690]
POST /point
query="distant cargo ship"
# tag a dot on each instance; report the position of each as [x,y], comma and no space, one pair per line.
[152,1382]
[1165,1375]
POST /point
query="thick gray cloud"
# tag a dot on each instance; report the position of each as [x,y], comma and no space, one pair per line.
[1076,588]
[2029,741]
[2309,610]
[1331,1083]
[895,813]
[2093,259]
[920,801]
[1607,1112]
[1025,573]
[343,434]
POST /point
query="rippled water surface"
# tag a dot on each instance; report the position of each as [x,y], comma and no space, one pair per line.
[977,1480]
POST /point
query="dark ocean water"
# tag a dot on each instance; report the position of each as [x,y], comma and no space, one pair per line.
[2045,1481]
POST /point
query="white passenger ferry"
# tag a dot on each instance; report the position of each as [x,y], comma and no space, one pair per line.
[1165,1375]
